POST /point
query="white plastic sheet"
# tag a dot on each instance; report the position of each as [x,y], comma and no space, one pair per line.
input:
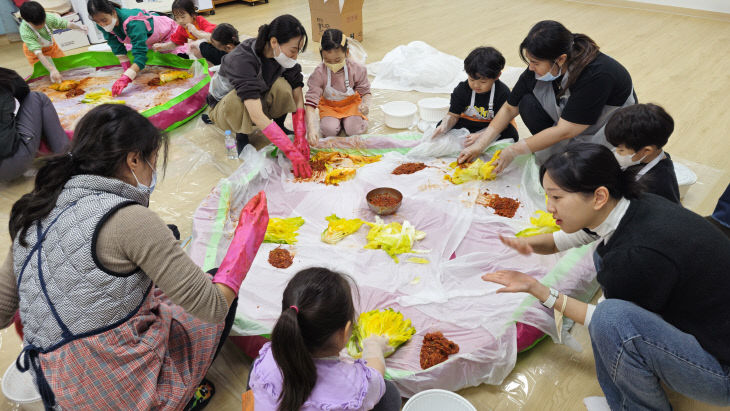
[445,295]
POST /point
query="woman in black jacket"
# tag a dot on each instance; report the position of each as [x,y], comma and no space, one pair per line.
[25,116]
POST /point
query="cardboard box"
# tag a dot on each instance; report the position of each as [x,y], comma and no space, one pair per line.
[68,39]
[327,14]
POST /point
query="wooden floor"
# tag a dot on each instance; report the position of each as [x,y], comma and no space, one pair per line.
[675,60]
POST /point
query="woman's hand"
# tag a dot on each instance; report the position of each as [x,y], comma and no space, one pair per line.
[470,153]
[513,281]
[471,139]
[508,155]
[518,244]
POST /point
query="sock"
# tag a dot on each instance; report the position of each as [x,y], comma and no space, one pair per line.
[241,141]
[280,122]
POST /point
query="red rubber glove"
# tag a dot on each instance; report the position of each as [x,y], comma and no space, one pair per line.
[300,133]
[126,65]
[124,61]
[120,84]
[247,239]
[300,163]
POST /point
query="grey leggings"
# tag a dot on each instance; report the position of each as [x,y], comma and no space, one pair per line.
[36,117]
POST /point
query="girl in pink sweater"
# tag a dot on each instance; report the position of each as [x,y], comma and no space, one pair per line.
[339,87]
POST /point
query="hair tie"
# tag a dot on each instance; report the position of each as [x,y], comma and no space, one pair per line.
[344,41]
[295,308]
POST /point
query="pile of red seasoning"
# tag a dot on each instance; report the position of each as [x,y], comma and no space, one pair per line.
[280,258]
[408,168]
[503,206]
[383,200]
[436,349]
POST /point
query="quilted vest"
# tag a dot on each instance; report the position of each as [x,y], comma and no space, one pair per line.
[65,293]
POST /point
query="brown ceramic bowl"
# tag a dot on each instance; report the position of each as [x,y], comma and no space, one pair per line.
[384,200]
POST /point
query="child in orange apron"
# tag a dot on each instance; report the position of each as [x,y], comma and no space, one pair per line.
[340,88]
[36,32]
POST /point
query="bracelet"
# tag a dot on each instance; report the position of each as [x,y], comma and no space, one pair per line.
[550,302]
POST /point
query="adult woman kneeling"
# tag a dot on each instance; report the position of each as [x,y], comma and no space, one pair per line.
[260,80]
[567,93]
[115,314]
[26,118]
[664,273]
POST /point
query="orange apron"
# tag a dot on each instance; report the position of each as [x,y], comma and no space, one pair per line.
[478,114]
[338,104]
[51,51]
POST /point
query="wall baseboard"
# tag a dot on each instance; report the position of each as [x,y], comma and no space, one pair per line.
[682,11]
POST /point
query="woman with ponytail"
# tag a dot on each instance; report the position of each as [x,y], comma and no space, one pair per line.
[664,273]
[300,368]
[259,82]
[115,315]
[26,118]
[567,93]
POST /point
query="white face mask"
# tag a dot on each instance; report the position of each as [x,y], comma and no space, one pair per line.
[549,75]
[153,183]
[284,60]
[109,28]
[625,160]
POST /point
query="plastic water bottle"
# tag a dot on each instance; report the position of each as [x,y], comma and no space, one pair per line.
[231,146]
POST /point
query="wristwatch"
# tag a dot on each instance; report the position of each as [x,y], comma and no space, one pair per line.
[550,302]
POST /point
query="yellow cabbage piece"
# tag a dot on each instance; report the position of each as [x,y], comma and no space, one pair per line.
[544,223]
[418,260]
[393,238]
[103,96]
[283,230]
[478,170]
[339,228]
[65,85]
[172,75]
[339,175]
[388,323]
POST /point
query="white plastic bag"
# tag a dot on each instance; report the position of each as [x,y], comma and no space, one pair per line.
[447,145]
[420,67]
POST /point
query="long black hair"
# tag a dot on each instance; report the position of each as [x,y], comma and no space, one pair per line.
[284,28]
[9,79]
[94,7]
[549,39]
[584,167]
[323,301]
[102,140]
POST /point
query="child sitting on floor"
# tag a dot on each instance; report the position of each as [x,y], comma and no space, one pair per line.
[300,367]
[639,132]
[36,31]
[340,88]
[192,29]
[475,102]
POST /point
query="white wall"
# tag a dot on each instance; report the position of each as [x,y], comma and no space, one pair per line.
[722,6]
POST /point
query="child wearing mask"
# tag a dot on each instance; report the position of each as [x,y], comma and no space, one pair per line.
[639,132]
[340,88]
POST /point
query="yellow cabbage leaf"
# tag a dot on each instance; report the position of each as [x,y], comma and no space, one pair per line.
[544,223]
[339,228]
[478,170]
[283,230]
[388,323]
[393,238]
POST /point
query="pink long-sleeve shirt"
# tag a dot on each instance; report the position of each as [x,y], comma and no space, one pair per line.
[318,81]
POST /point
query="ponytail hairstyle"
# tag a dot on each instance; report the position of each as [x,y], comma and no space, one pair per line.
[317,303]
[225,34]
[284,28]
[333,39]
[584,167]
[102,140]
[94,7]
[549,39]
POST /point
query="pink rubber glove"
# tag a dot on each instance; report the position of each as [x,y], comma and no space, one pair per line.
[120,84]
[300,133]
[124,61]
[126,65]
[247,239]
[300,163]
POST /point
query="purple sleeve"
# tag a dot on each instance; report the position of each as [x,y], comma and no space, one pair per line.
[375,388]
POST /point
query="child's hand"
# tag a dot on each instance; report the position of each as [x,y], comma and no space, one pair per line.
[312,133]
[518,244]
[82,28]
[364,109]
[380,342]
[192,29]
[56,77]
[158,47]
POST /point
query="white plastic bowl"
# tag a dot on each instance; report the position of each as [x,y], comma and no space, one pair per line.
[19,388]
[685,178]
[433,108]
[399,114]
[438,400]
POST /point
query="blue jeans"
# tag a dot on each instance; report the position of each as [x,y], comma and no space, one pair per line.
[635,350]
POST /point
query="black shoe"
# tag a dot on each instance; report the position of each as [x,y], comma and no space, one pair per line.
[206,119]
[201,397]
[241,141]
[280,122]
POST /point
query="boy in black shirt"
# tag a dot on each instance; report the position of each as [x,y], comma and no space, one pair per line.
[475,102]
[639,132]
